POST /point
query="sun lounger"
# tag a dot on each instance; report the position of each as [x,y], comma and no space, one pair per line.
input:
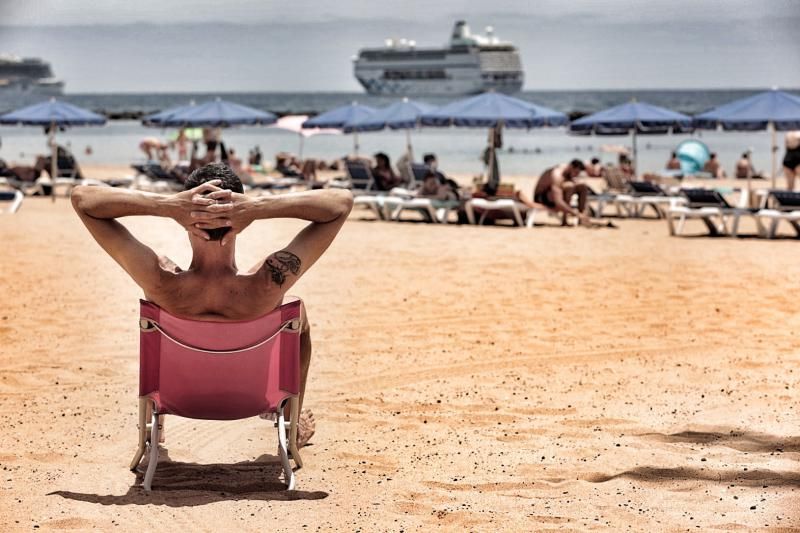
[219,371]
[711,207]
[646,194]
[782,206]
[478,209]
[616,194]
[437,211]
[13,199]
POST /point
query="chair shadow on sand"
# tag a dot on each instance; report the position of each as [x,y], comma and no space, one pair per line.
[178,484]
[748,442]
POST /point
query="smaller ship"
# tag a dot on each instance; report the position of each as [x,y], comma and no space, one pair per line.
[468,64]
[29,75]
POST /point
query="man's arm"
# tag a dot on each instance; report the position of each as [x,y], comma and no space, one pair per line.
[326,209]
[98,207]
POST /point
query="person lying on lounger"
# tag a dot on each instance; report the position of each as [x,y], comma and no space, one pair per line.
[214,211]
[556,187]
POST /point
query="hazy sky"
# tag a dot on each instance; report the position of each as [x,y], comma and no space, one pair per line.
[180,45]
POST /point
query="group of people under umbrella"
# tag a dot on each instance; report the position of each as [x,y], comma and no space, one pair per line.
[771,110]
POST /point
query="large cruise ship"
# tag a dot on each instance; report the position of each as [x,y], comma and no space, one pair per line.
[21,76]
[469,64]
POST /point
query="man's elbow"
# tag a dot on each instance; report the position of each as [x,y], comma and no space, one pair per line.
[78,197]
[344,201]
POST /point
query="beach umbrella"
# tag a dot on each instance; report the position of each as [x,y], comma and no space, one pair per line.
[493,110]
[634,118]
[772,110]
[217,113]
[294,123]
[338,117]
[53,114]
[402,115]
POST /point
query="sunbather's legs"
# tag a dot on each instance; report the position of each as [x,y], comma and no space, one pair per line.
[790,174]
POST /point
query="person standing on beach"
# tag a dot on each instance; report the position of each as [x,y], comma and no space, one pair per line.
[556,187]
[213,210]
[791,161]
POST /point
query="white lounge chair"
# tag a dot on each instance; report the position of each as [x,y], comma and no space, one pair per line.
[507,206]
[784,206]
[710,207]
[13,199]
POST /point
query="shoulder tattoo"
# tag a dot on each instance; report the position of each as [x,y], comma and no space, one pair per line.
[281,263]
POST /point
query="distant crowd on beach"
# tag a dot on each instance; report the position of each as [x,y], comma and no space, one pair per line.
[557,187]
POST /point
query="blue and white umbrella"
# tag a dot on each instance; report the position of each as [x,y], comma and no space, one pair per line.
[215,114]
[635,118]
[490,110]
[339,116]
[402,115]
[493,110]
[772,110]
[53,114]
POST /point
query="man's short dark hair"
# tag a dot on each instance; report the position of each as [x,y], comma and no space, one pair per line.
[215,171]
[577,164]
[595,160]
[427,158]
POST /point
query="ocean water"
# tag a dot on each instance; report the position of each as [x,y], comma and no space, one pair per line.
[524,152]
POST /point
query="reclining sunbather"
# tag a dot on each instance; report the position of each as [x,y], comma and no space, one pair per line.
[213,210]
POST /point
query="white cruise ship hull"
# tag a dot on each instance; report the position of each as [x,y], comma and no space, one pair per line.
[439,72]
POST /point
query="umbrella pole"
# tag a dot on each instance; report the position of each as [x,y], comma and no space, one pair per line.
[773,150]
[300,149]
[355,143]
[410,155]
[635,162]
[53,160]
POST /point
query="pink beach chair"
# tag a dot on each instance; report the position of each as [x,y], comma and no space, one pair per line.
[219,371]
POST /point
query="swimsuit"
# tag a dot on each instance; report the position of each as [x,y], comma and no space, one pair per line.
[792,158]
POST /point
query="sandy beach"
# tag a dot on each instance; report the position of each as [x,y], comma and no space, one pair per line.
[463,378]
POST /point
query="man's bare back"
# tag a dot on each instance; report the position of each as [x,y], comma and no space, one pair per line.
[214,211]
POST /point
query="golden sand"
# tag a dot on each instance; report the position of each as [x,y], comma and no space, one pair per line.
[469,378]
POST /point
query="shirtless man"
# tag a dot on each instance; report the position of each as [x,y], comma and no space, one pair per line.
[213,210]
[556,187]
[713,167]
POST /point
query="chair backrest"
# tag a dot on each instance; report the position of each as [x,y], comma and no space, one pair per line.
[646,187]
[616,179]
[360,175]
[420,170]
[705,198]
[788,200]
[14,199]
[219,370]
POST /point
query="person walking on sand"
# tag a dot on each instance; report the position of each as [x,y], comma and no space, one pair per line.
[556,187]
[214,211]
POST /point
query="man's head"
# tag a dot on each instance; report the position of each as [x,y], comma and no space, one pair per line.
[575,167]
[215,171]
[712,156]
[595,160]
[429,160]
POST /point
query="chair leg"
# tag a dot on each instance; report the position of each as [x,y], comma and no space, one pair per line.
[735,225]
[773,228]
[142,433]
[796,227]
[153,462]
[294,408]
[681,223]
[283,450]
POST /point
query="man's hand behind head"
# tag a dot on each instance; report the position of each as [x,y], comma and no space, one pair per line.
[223,209]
